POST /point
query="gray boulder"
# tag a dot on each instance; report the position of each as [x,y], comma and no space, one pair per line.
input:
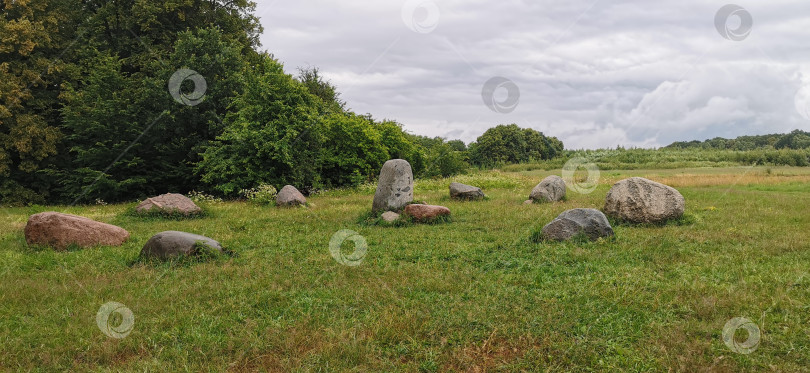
[170,244]
[465,192]
[169,203]
[395,186]
[639,200]
[590,222]
[289,196]
[551,189]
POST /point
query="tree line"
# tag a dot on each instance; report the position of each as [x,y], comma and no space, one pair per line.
[88,111]
[796,140]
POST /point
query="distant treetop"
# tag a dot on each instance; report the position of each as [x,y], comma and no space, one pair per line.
[797,139]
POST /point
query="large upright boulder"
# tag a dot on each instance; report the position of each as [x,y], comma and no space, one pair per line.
[465,192]
[395,186]
[169,203]
[289,196]
[59,231]
[551,189]
[590,222]
[639,200]
[170,244]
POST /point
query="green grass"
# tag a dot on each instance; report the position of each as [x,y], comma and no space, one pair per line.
[475,292]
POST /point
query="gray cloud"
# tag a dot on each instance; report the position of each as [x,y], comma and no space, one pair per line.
[593,73]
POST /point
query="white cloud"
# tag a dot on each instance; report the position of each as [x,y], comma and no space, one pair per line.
[595,74]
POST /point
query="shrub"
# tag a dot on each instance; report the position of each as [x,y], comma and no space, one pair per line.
[512,144]
[264,194]
[271,136]
[199,197]
[443,161]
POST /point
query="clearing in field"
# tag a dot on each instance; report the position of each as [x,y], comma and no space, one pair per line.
[473,294]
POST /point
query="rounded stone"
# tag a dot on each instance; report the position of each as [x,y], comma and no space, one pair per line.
[639,200]
[289,196]
[590,222]
[170,244]
[465,192]
[169,203]
[58,231]
[424,213]
[551,189]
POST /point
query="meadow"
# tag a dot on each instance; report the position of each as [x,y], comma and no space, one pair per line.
[474,294]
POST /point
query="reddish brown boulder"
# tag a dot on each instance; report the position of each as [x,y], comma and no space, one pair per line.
[59,231]
[169,203]
[426,212]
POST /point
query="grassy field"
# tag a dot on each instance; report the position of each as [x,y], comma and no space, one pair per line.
[475,294]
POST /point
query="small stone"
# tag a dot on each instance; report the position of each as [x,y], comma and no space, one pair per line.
[465,192]
[528,202]
[590,222]
[551,189]
[59,231]
[390,216]
[169,203]
[424,213]
[289,196]
[170,244]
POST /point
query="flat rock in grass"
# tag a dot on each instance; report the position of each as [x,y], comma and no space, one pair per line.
[551,189]
[169,203]
[424,213]
[289,196]
[390,216]
[395,186]
[590,222]
[639,200]
[59,231]
[170,244]
[465,192]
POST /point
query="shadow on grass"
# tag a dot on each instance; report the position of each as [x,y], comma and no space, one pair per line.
[157,215]
[32,249]
[201,253]
[372,219]
[687,219]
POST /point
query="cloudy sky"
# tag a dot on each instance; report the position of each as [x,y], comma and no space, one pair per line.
[592,73]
